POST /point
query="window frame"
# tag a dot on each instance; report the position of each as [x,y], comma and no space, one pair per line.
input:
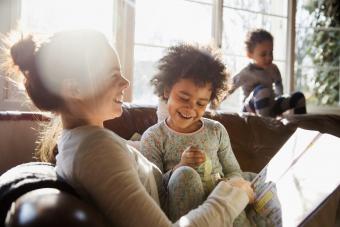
[123,29]
[11,16]
[315,108]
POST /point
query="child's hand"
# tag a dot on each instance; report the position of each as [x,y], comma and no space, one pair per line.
[244,185]
[192,157]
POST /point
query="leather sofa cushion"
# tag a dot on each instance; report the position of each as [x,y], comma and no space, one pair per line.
[24,178]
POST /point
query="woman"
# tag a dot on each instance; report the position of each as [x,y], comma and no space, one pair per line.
[77,75]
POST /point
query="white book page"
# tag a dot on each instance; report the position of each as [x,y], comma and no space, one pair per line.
[310,181]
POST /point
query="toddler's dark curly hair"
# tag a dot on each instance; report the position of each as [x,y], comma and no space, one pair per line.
[200,63]
[255,37]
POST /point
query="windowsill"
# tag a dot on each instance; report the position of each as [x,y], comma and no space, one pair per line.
[14,105]
[323,110]
[310,109]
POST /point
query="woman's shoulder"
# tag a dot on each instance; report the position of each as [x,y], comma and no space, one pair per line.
[86,130]
[101,133]
[101,144]
[80,147]
[94,137]
[79,135]
[91,133]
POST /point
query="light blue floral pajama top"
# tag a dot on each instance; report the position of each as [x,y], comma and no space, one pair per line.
[164,146]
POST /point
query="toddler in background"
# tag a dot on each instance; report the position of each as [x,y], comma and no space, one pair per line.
[261,80]
[193,152]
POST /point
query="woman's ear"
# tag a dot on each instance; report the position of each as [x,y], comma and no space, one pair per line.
[70,89]
[166,93]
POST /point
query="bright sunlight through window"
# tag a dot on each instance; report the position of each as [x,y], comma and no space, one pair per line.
[51,16]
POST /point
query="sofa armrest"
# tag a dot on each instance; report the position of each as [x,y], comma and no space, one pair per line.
[52,207]
[32,194]
[324,123]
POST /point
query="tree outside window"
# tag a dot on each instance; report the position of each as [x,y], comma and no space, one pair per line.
[317,64]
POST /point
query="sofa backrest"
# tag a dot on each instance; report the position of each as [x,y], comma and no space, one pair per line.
[18,133]
[254,139]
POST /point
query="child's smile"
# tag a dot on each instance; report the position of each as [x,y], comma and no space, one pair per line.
[187,103]
[186,114]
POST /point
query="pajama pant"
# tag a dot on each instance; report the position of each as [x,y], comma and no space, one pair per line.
[262,101]
[186,192]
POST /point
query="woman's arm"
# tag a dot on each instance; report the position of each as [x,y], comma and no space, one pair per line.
[106,171]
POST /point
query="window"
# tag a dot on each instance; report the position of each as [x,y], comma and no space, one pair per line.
[142,29]
[317,61]
[241,16]
[169,22]
[203,20]
[51,16]
[46,16]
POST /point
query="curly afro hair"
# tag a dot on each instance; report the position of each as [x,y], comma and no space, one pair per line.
[200,63]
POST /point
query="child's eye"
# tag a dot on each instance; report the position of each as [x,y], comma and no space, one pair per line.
[201,104]
[184,98]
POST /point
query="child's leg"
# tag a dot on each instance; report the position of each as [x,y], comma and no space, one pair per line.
[249,106]
[296,101]
[281,105]
[263,100]
[185,192]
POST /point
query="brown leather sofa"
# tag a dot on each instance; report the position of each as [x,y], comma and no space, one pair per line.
[254,141]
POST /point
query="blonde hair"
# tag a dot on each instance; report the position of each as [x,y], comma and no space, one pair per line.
[49,132]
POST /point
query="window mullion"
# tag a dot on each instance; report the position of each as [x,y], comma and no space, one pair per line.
[217,22]
[290,54]
[125,40]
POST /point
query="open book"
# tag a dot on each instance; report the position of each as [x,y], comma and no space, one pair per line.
[304,172]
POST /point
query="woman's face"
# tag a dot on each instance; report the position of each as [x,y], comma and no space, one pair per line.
[108,102]
[104,97]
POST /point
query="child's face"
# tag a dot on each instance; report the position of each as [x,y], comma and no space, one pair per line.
[262,54]
[187,103]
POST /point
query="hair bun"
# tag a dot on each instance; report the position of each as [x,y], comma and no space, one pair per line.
[22,53]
